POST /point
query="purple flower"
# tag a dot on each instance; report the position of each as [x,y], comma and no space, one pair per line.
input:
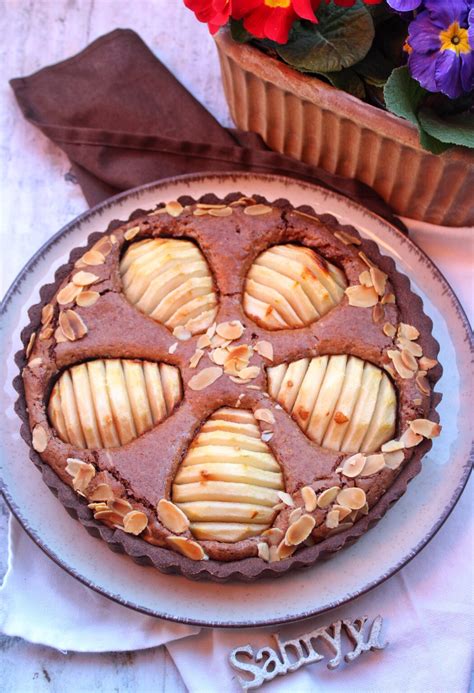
[404,5]
[440,45]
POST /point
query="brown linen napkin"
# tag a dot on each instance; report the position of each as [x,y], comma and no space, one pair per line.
[124,120]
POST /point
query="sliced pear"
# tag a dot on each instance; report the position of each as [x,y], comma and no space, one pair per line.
[169,280]
[229,481]
[108,403]
[345,405]
[85,406]
[100,397]
[291,286]
[342,403]
[363,410]
[327,398]
[224,531]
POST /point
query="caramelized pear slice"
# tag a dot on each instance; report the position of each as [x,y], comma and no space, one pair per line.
[108,403]
[229,480]
[290,286]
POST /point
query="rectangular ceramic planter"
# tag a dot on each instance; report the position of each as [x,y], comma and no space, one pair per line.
[303,117]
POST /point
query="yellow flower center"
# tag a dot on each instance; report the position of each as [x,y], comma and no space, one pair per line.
[455,38]
[277,3]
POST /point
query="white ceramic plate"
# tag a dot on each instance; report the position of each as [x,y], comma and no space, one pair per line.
[405,529]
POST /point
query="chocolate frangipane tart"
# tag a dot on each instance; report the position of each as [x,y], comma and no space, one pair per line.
[229,388]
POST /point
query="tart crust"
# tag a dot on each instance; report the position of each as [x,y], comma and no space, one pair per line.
[230,243]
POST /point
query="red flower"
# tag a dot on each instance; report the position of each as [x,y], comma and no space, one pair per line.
[272,19]
[215,13]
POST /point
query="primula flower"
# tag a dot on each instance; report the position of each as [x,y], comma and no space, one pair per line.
[272,19]
[441,41]
[404,5]
[214,13]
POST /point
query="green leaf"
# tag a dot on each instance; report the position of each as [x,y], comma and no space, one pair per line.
[342,37]
[453,129]
[238,32]
[403,97]
[347,80]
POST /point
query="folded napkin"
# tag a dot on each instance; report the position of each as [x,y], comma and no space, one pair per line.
[124,120]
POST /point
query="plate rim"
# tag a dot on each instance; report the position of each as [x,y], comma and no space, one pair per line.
[250,177]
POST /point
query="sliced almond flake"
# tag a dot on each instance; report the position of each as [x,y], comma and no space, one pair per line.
[341,528]
[264,415]
[34,363]
[410,439]
[253,387]
[310,499]
[109,516]
[305,215]
[205,205]
[238,381]
[72,325]
[341,511]
[265,349]
[365,279]
[266,436]
[181,333]
[379,279]
[93,257]
[328,496]
[200,212]
[59,335]
[299,530]
[353,498]
[103,246]
[30,344]
[131,233]
[46,332]
[332,519]
[189,548]
[86,299]
[82,473]
[230,330]
[174,208]
[408,331]
[346,238]
[102,492]
[219,356]
[195,358]
[263,551]
[394,459]
[378,313]
[414,348]
[365,259]
[257,210]
[409,360]
[273,536]
[120,506]
[426,364]
[203,342]
[373,464]
[284,551]
[361,296]
[135,522]
[211,330]
[156,212]
[295,515]
[389,330]
[402,370]
[423,384]
[224,212]
[417,401]
[425,428]
[82,278]
[47,313]
[353,465]
[286,498]
[388,298]
[249,373]
[173,348]
[39,438]
[217,341]
[172,517]
[204,378]
[392,446]
[113,239]
[68,293]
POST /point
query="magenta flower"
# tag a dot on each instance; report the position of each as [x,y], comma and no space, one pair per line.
[440,45]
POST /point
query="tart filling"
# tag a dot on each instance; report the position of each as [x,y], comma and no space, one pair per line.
[252,413]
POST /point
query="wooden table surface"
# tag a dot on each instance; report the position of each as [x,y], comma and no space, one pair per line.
[37,197]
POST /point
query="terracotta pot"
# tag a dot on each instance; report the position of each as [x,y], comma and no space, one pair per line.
[306,118]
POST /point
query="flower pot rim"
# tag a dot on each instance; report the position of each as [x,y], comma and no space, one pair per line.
[315,90]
